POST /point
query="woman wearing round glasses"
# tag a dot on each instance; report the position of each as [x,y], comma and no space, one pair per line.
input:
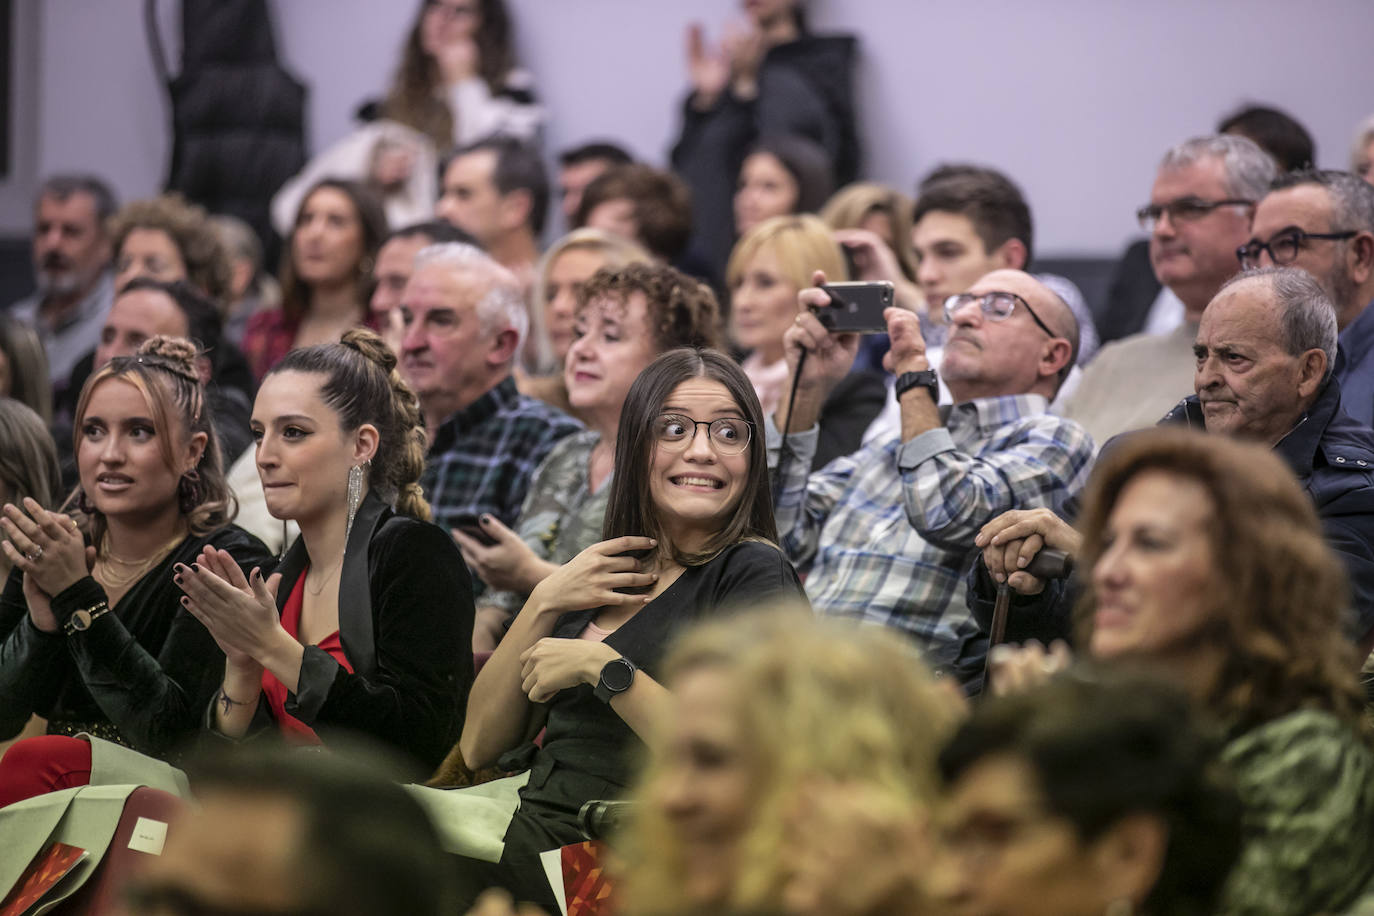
[689,530]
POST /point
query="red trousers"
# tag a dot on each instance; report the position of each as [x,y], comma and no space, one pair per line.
[44,764]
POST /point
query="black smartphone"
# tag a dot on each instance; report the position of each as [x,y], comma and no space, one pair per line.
[856,307]
[469,525]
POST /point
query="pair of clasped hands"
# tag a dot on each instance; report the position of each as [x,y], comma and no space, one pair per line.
[1009,542]
[50,550]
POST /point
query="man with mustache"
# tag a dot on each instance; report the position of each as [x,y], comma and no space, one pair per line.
[1199,212]
[71,258]
[885,533]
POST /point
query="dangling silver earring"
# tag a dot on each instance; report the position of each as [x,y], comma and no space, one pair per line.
[355,494]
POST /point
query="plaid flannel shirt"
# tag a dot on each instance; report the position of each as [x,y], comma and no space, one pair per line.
[885,534]
[481,458]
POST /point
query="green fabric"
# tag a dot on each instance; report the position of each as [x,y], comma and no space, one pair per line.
[1306,781]
[86,817]
[114,765]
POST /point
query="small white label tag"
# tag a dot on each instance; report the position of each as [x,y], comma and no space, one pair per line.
[149,836]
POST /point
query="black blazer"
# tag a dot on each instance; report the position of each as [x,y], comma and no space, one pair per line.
[405,621]
[140,675]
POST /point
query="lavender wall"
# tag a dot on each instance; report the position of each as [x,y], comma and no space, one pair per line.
[1076,99]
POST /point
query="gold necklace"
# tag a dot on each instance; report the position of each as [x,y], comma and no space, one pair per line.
[328,577]
[120,581]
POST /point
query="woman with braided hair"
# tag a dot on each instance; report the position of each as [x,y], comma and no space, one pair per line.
[91,635]
[366,625]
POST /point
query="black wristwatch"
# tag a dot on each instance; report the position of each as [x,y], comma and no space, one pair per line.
[926,379]
[616,677]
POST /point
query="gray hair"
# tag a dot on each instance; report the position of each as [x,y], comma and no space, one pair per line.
[1352,198]
[1249,169]
[61,187]
[1307,317]
[502,304]
[1363,134]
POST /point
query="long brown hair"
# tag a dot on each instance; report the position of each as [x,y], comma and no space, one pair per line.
[630,508]
[164,372]
[415,98]
[1281,593]
[295,295]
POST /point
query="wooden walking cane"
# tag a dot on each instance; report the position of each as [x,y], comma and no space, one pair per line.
[1047,564]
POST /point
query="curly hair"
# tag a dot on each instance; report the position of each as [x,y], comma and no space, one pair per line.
[187,225]
[164,372]
[415,98]
[362,385]
[1280,593]
[815,700]
[681,311]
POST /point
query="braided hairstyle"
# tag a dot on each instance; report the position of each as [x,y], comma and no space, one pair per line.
[362,385]
[165,372]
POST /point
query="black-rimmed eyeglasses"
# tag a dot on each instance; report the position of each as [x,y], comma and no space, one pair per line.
[1184,210]
[996,306]
[1284,247]
[728,435]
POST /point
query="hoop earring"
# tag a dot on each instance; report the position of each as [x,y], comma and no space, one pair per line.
[355,494]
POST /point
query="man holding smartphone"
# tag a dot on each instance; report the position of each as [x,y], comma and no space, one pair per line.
[884,534]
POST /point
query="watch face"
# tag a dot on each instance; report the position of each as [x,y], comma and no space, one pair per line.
[618,675]
[81,620]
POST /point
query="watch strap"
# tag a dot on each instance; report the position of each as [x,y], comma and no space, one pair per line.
[926,379]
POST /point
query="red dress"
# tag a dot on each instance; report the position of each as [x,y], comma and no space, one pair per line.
[292,728]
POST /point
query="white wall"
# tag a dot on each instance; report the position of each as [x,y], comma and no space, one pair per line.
[1076,99]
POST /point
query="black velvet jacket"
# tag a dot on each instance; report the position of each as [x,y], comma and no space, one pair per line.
[140,675]
[405,621]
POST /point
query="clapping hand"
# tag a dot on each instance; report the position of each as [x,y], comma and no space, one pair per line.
[47,546]
[240,613]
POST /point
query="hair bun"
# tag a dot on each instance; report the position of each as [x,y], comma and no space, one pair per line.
[175,353]
[371,346]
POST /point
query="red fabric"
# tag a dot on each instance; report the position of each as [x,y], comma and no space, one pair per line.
[270,335]
[36,766]
[585,885]
[294,729]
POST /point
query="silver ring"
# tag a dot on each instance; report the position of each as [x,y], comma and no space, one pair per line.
[35,556]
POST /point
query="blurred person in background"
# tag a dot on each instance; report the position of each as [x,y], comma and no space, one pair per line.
[326,274]
[878,209]
[1205,564]
[1275,132]
[496,191]
[578,167]
[769,76]
[1082,797]
[1362,150]
[251,288]
[456,83]
[781,176]
[771,264]
[166,238]
[24,367]
[794,773]
[28,461]
[565,267]
[649,206]
[275,831]
[71,261]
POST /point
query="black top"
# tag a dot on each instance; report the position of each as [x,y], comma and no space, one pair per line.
[587,747]
[146,670]
[405,622]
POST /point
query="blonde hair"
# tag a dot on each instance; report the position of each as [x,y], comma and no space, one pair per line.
[817,700]
[802,244]
[615,252]
[854,203]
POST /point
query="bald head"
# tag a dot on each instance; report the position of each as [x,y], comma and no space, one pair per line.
[988,357]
